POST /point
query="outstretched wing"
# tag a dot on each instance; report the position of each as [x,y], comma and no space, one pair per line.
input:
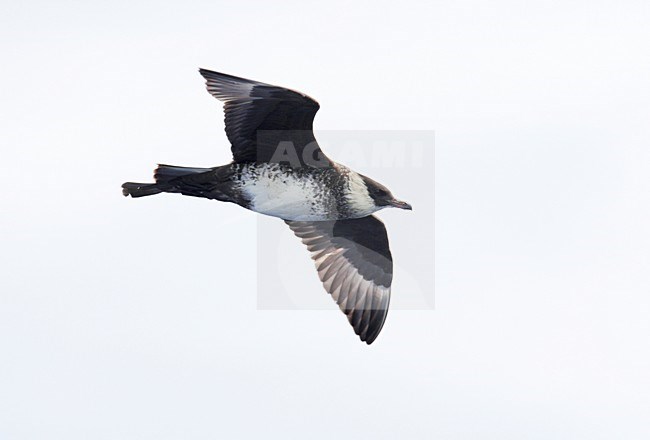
[354,263]
[259,117]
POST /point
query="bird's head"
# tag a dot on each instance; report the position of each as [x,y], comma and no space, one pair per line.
[382,196]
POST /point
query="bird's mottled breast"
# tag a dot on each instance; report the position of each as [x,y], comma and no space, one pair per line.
[301,194]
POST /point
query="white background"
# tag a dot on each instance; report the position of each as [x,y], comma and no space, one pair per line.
[137,319]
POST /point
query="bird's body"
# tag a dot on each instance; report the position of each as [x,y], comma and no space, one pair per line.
[279,170]
[279,190]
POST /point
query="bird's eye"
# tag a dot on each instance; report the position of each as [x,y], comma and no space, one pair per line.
[381,193]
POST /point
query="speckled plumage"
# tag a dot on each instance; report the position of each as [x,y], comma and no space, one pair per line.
[303,194]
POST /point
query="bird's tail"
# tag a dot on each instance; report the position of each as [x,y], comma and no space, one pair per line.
[134,189]
[165,176]
[165,173]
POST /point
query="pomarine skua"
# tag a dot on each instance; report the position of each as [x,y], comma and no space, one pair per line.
[279,170]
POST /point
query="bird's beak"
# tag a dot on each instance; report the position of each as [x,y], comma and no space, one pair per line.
[399,204]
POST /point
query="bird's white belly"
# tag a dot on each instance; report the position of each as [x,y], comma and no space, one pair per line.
[286,197]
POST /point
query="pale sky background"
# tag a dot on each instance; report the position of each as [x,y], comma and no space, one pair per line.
[123,319]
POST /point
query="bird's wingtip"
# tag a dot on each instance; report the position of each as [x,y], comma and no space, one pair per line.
[369,340]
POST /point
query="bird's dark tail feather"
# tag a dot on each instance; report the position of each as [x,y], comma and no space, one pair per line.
[140,189]
[165,173]
[168,178]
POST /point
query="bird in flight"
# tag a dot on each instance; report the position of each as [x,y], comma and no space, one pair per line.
[279,170]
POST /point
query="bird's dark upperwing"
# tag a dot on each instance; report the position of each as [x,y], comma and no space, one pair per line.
[260,117]
[355,265]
